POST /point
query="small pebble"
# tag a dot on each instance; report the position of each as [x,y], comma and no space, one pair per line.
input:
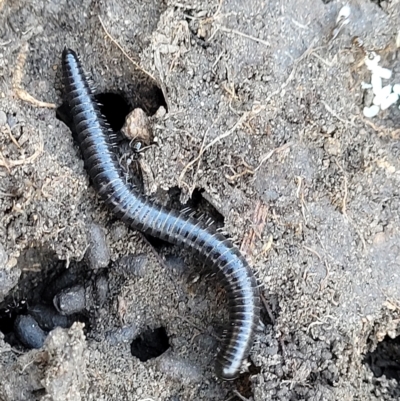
[3,257]
[370,112]
[388,101]
[101,290]
[176,368]
[383,94]
[11,120]
[97,255]
[137,127]
[365,85]
[48,318]
[132,264]
[384,73]
[28,331]
[8,276]
[70,300]
[122,335]
[65,279]
[3,118]
[344,14]
[161,112]
[376,82]
[176,263]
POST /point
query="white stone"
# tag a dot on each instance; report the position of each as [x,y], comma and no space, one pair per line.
[376,82]
[365,85]
[384,73]
[388,101]
[344,15]
[370,112]
[382,94]
[396,88]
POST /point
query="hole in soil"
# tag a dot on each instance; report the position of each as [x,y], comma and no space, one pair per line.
[150,344]
[8,315]
[378,2]
[244,383]
[114,108]
[149,97]
[385,360]
[27,314]
[198,203]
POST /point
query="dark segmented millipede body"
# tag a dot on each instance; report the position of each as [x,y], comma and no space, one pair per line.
[138,212]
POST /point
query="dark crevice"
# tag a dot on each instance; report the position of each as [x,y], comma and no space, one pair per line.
[150,344]
[149,98]
[385,360]
[378,2]
[198,203]
[27,314]
[244,382]
[114,108]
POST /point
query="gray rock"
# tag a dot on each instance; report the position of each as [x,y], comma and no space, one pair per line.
[132,264]
[179,369]
[97,255]
[70,300]
[122,335]
[3,118]
[29,332]
[101,290]
[48,318]
[8,276]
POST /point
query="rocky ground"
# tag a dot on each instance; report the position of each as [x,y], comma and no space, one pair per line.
[257,111]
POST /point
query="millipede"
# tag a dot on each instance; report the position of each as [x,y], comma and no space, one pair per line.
[126,202]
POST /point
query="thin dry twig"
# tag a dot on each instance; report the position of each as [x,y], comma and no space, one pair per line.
[267,308]
[344,209]
[271,153]
[293,72]
[240,395]
[248,170]
[333,112]
[7,163]
[124,52]
[257,227]
[191,189]
[267,246]
[155,253]
[244,35]
[313,251]
[190,323]
[383,131]
[17,79]
[326,264]
[4,163]
[327,63]
[212,143]
[300,195]
[15,142]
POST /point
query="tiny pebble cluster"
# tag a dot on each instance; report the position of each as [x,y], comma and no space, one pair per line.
[384,96]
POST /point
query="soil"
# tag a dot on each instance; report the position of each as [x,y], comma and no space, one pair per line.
[256,112]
